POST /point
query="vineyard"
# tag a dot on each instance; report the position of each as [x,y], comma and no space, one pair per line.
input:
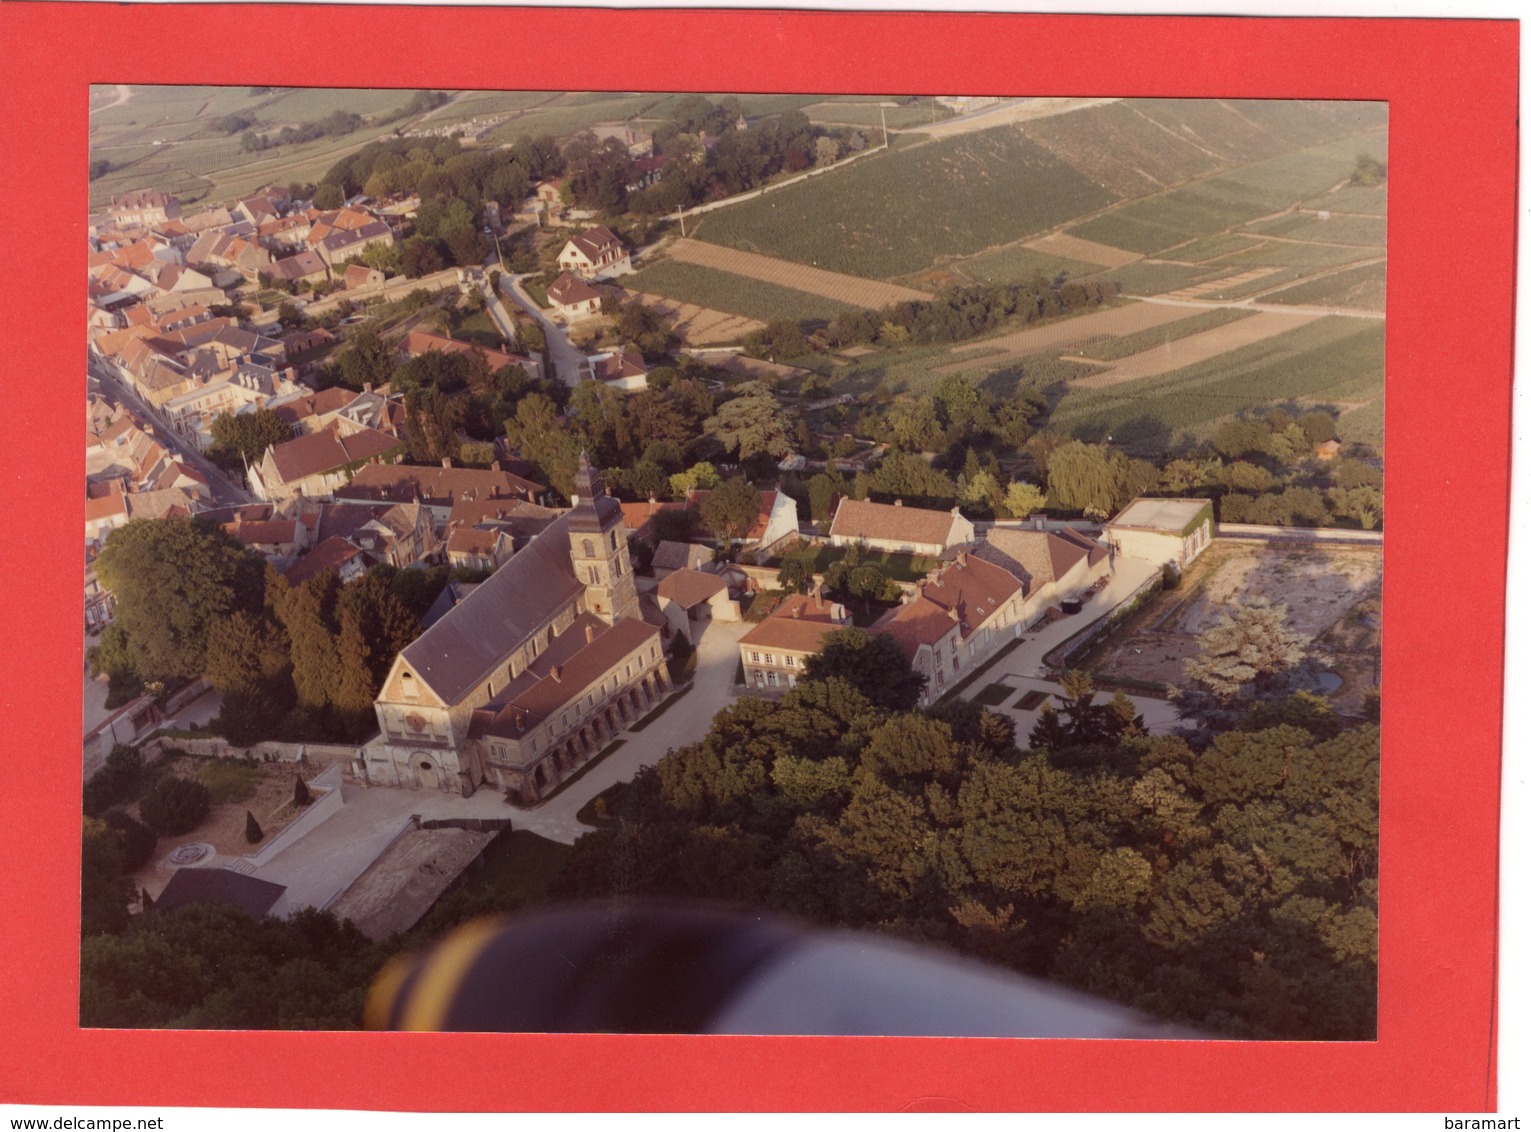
[1128,344]
[1364,288]
[895,213]
[736,294]
[1333,359]
[1016,263]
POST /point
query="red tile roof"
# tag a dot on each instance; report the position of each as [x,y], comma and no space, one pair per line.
[890,522]
[962,595]
[689,587]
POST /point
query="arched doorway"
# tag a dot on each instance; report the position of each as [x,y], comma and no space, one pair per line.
[429,778]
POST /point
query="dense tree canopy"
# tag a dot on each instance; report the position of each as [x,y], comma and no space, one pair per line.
[174,579]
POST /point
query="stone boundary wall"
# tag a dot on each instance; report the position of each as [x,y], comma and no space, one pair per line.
[1299,534]
[474,825]
[317,755]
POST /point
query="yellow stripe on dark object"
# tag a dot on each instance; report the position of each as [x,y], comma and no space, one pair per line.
[443,972]
[384,994]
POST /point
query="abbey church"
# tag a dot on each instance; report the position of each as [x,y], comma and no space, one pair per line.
[533,673]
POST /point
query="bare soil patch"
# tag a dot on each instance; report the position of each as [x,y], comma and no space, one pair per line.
[1196,348]
[756,368]
[698,326]
[1112,322]
[1332,594]
[1072,247]
[850,289]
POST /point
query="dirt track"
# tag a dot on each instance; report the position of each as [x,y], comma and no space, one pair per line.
[1196,348]
[850,289]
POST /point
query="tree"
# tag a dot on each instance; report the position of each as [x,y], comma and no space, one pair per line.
[701,475]
[752,423]
[175,805]
[795,576]
[173,580]
[300,795]
[240,440]
[1096,479]
[731,508]
[253,833]
[1250,648]
[871,663]
[1023,499]
[104,890]
[366,360]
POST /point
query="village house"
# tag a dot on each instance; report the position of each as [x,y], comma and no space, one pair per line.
[393,534]
[304,267]
[596,253]
[144,208]
[418,342]
[439,489]
[897,529]
[1162,530]
[315,466]
[955,620]
[1052,565]
[622,369]
[688,598]
[774,521]
[573,300]
[532,674]
[773,652]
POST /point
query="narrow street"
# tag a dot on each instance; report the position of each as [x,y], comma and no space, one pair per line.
[225,491]
[568,361]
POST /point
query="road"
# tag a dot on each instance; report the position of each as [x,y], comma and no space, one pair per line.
[568,361]
[225,492]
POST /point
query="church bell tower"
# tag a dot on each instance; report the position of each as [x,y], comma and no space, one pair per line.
[598,547]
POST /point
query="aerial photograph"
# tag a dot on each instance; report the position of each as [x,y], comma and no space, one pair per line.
[787,563]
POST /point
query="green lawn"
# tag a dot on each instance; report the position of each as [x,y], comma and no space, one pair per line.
[1016,263]
[480,329]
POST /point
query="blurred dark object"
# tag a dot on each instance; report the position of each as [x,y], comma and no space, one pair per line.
[672,968]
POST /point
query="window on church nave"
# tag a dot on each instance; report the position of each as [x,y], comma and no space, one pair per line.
[589,549]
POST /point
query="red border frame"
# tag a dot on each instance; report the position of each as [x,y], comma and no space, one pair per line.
[1449,364]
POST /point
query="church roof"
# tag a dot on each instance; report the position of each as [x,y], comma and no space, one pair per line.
[461,649]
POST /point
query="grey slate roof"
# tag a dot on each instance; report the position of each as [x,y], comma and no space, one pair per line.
[219,886]
[476,636]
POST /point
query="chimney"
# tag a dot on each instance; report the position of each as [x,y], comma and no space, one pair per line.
[446,461]
[497,466]
[797,610]
[519,718]
[589,634]
[952,613]
[962,558]
[366,387]
[898,503]
[557,673]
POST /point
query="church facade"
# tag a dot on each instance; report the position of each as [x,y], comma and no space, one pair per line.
[532,674]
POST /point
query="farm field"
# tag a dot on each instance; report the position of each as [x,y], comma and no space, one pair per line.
[895,213]
[846,289]
[1130,318]
[197,163]
[1126,345]
[1363,287]
[1063,245]
[1196,348]
[1156,277]
[736,294]
[567,114]
[921,112]
[698,326]
[1331,594]
[1328,360]
[1363,425]
[1018,263]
